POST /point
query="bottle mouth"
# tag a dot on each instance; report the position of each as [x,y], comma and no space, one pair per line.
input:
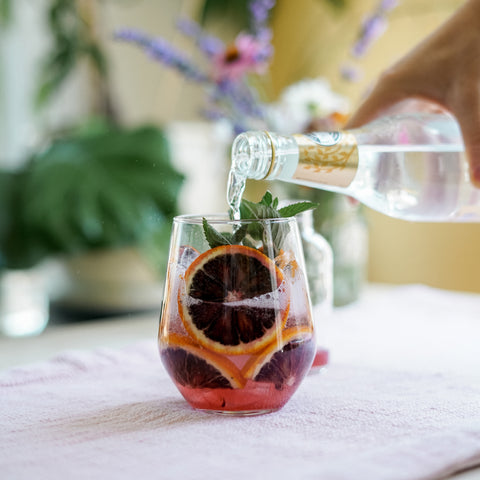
[251,153]
[241,152]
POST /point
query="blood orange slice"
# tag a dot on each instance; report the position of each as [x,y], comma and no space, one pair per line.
[283,363]
[192,366]
[234,300]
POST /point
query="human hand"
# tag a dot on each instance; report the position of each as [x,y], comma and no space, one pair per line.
[442,72]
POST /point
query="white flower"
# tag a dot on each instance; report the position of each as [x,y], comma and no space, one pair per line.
[304,101]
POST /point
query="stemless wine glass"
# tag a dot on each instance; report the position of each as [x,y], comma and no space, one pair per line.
[236,332]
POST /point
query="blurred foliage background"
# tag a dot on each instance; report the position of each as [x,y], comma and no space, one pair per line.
[82,72]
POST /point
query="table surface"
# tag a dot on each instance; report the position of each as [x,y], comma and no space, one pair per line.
[122,331]
[83,335]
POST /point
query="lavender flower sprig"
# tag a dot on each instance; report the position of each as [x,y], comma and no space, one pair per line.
[229,93]
[160,49]
[260,12]
[208,44]
[238,103]
[230,99]
[373,27]
[225,76]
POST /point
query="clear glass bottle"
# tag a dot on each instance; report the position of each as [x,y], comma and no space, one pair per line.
[319,265]
[410,166]
[345,228]
[319,269]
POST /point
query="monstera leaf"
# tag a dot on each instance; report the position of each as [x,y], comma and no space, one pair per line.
[12,239]
[111,188]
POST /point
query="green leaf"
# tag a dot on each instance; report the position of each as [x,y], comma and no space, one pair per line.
[267,208]
[240,234]
[55,70]
[214,238]
[97,57]
[267,199]
[338,4]
[272,238]
[296,208]
[233,12]
[72,41]
[5,12]
[251,210]
[99,189]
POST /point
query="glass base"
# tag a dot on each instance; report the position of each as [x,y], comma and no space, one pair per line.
[239,413]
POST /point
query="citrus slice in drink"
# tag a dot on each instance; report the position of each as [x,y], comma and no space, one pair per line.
[234,300]
[192,366]
[286,362]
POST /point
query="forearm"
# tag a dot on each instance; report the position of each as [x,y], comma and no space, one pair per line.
[432,68]
[469,14]
[474,5]
[445,69]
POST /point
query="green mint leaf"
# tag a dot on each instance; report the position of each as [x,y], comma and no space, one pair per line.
[248,233]
[239,234]
[248,243]
[259,211]
[251,210]
[267,199]
[255,230]
[214,238]
[267,208]
[296,208]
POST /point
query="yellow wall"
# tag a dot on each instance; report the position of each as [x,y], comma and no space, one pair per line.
[441,255]
[310,41]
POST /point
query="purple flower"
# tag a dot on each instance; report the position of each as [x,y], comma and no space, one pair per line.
[213,113]
[373,28]
[259,12]
[161,50]
[241,97]
[131,35]
[229,101]
[388,5]
[208,44]
[228,93]
[246,55]
[350,72]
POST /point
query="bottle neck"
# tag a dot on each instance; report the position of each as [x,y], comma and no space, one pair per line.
[263,155]
[323,158]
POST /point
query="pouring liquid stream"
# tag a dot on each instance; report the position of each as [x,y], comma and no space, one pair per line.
[235,188]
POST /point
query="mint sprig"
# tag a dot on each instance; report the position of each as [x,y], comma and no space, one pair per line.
[296,208]
[216,238]
[265,209]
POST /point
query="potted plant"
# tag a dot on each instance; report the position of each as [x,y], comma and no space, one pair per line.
[97,196]
[103,196]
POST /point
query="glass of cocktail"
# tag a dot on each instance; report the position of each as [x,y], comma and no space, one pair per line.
[236,332]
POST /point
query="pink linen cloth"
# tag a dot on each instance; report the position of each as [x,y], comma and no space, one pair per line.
[114,414]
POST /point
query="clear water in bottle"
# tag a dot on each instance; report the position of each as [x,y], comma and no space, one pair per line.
[414,183]
[410,166]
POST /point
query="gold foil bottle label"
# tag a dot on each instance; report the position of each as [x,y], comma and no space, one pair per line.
[328,158]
